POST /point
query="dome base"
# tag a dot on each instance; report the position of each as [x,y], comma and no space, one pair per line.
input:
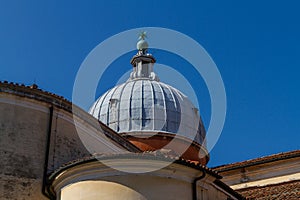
[179,146]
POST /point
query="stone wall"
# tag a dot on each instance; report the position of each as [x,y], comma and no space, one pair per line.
[25,121]
[23,130]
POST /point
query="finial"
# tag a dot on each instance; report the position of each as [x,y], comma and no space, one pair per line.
[142,44]
[143,62]
[142,35]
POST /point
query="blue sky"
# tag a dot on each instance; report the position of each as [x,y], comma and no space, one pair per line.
[255,45]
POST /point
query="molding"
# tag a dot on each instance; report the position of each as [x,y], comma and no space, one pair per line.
[263,171]
[26,103]
[267,181]
[96,170]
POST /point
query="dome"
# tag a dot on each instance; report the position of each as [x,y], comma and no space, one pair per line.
[148,106]
[151,114]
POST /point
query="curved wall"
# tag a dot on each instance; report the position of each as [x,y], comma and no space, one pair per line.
[31,137]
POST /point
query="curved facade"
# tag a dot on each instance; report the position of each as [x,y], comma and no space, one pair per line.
[38,136]
[90,179]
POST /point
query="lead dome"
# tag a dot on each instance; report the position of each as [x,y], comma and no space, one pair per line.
[148,106]
[143,106]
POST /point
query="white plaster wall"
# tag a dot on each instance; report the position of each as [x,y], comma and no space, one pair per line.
[89,181]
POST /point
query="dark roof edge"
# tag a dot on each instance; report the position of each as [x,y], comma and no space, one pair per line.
[258,161]
[39,94]
[228,189]
[111,134]
[145,155]
[198,167]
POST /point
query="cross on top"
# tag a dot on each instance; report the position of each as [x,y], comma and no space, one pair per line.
[142,35]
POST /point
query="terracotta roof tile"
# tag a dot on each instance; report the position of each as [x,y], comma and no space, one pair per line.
[33,92]
[287,190]
[157,155]
[256,161]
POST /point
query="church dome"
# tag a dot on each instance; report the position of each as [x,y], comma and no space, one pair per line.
[145,105]
[150,114]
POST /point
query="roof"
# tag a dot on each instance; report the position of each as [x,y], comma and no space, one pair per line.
[257,161]
[144,105]
[286,190]
[33,92]
[228,189]
[40,95]
[155,155]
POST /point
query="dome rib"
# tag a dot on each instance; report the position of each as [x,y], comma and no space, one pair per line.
[173,97]
[164,106]
[176,106]
[153,101]
[108,102]
[101,106]
[130,107]
[142,105]
[119,105]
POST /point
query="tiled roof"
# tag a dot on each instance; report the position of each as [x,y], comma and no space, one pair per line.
[33,92]
[155,155]
[256,161]
[286,190]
